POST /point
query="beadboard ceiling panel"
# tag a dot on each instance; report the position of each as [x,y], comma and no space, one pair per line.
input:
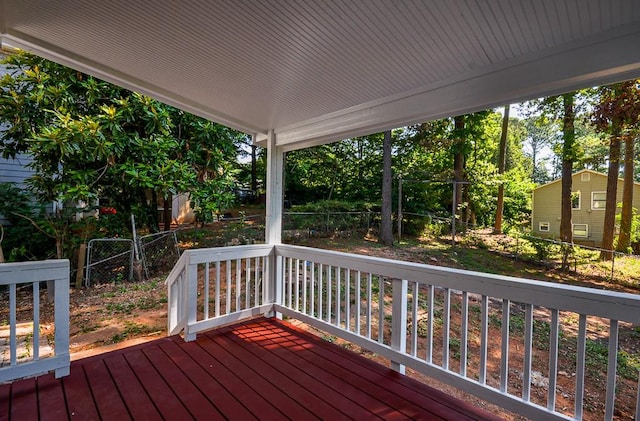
[320,70]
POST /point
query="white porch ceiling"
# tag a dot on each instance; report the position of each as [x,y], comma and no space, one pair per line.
[316,71]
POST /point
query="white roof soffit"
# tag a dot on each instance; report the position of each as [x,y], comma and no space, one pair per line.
[320,71]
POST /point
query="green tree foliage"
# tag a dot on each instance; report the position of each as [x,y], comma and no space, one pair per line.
[349,170]
[91,139]
[422,156]
[386,227]
[541,133]
[22,239]
[428,153]
[617,114]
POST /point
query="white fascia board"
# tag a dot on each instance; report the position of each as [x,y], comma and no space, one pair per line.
[591,62]
[83,64]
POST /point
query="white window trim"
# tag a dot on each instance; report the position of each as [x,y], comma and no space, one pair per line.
[579,200]
[540,224]
[586,230]
[596,192]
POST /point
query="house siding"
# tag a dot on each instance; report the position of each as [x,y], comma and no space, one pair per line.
[547,206]
[15,170]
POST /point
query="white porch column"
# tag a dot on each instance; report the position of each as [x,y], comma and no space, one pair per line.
[275,171]
[273,228]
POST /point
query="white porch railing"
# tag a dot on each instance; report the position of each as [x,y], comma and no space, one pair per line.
[420,316]
[212,287]
[21,275]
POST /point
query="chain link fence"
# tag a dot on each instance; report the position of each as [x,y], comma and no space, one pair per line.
[323,223]
[622,268]
[108,260]
[159,252]
[112,259]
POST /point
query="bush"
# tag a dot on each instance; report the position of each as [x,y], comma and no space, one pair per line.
[544,249]
[325,206]
[330,215]
[22,239]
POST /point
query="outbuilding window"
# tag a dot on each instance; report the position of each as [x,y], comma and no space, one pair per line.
[543,227]
[580,230]
[598,200]
[575,200]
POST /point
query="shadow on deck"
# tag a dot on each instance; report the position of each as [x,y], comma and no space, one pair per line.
[258,369]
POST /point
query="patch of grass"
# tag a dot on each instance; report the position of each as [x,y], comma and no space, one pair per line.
[89,328]
[541,334]
[628,365]
[516,324]
[597,357]
[454,348]
[125,308]
[131,329]
[143,303]
[28,344]
[495,320]
[144,286]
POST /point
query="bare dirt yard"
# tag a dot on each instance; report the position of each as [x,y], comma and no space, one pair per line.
[118,314]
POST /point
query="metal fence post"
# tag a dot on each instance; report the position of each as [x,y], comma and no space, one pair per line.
[613,261]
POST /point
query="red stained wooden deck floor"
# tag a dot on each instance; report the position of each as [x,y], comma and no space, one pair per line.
[259,369]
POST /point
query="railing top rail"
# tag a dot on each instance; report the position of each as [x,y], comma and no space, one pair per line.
[602,303]
[227,253]
[23,272]
[182,262]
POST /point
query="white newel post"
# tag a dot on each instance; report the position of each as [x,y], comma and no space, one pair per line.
[274,205]
[61,315]
[192,299]
[399,321]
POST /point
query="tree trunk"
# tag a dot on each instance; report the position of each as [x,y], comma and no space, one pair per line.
[612,191]
[568,156]
[153,213]
[624,239]
[167,211]
[502,163]
[386,225]
[1,238]
[458,169]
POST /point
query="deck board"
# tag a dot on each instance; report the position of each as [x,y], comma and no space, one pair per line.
[192,398]
[5,399]
[105,393]
[396,401]
[24,403]
[51,404]
[78,395]
[163,397]
[133,393]
[363,392]
[311,380]
[258,369]
[227,403]
[289,407]
[404,393]
[305,389]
